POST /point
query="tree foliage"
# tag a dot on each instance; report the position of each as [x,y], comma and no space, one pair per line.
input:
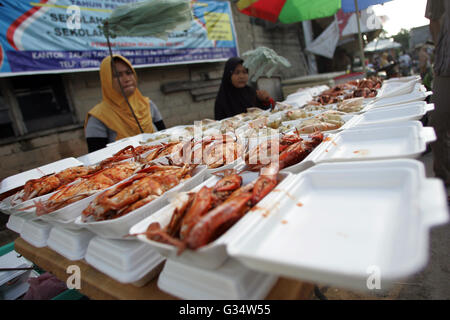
[403,38]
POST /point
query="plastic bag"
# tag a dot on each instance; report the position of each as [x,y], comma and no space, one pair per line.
[154,18]
[263,60]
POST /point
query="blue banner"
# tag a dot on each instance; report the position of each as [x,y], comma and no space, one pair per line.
[55,36]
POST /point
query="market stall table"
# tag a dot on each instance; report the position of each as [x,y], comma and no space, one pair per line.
[98,286]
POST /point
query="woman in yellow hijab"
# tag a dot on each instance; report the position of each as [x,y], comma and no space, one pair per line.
[112,118]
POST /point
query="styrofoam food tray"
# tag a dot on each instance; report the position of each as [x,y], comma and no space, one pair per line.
[396,88]
[16,221]
[231,281]
[71,244]
[417,78]
[348,119]
[7,208]
[119,227]
[214,254]
[67,215]
[125,261]
[354,218]
[401,112]
[20,179]
[36,232]
[404,139]
[402,99]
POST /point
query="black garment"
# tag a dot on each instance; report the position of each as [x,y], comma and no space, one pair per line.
[95,144]
[159,125]
[230,100]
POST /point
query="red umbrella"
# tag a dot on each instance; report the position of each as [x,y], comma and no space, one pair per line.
[289,11]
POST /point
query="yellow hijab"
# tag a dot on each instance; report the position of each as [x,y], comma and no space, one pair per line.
[114,111]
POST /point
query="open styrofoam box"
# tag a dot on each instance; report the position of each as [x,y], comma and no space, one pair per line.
[72,244]
[397,88]
[405,139]
[20,179]
[67,214]
[36,232]
[401,112]
[342,220]
[416,95]
[213,254]
[119,227]
[230,281]
[125,261]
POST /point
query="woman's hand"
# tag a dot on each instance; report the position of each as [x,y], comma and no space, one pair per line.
[263,95]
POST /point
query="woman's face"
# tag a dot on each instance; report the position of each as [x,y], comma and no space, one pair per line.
[126,77]
[239,77]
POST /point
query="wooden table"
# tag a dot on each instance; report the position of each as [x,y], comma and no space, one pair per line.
[98,286]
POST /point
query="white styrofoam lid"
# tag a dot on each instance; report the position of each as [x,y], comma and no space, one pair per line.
[396,88]
[344,220]
[19,179]
[409,111]
[405,98]
[380,141]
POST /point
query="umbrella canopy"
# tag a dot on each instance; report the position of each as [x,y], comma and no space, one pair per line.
[289,11]
[381,45]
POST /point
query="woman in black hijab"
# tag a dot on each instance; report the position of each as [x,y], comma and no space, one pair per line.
[235,96]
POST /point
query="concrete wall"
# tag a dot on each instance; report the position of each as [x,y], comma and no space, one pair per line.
[176,108]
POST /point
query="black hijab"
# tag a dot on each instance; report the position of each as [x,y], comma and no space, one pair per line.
[230,100]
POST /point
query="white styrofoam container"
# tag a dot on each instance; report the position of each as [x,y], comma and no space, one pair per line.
[401,112]
[125,261]
[71,244]
[213,254]
[119,227]
[7,208]
[231,281]
[35,232]
[348,119]
[416,78]
[16,221]
[396,88]
[20,179]
[67,214]
[416,95]
[347,221]
[404,139]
